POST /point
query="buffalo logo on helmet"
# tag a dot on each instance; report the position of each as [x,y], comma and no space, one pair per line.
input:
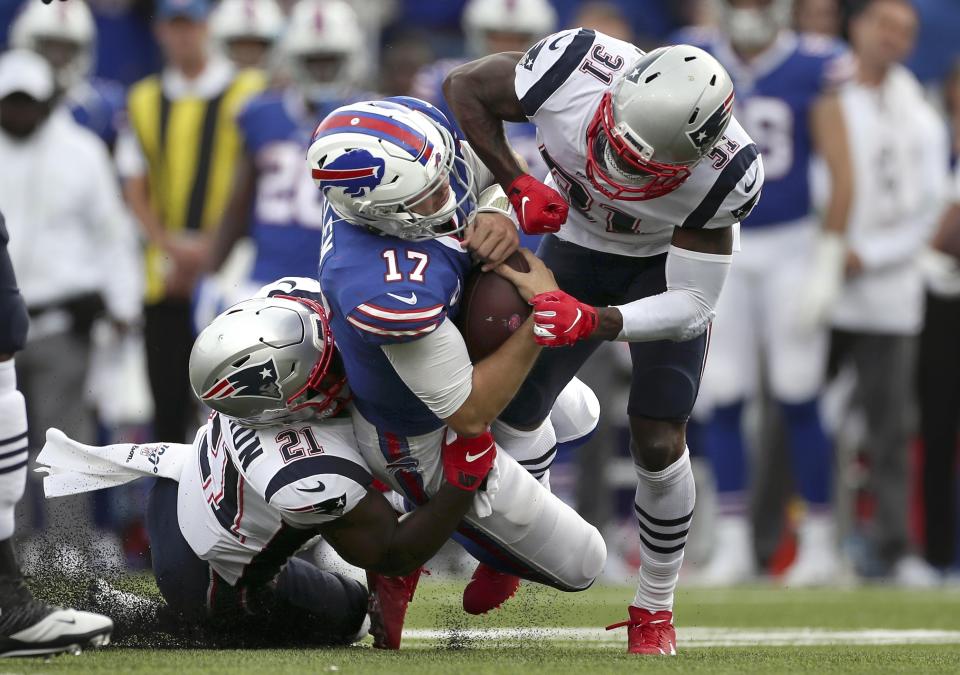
[707,134]
[356,171]
[258,379]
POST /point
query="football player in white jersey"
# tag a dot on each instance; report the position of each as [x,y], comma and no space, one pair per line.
[649,177]
[276,465]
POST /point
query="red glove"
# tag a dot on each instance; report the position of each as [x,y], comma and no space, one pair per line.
[540,209]
[560,319]
[466,461]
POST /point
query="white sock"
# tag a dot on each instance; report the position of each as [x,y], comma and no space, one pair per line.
[13,447]
[534,450]
[664,509]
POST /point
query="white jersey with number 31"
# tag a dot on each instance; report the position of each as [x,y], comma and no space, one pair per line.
[560,82]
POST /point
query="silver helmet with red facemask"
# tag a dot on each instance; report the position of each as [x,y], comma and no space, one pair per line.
[269,361]
[657,122]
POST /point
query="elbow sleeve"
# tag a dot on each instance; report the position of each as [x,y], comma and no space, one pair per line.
[685,309]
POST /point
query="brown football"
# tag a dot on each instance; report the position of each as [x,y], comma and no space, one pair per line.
[492,309]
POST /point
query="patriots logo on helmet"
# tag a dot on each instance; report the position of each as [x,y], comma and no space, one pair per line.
[258,379]
[356,171]
[708,133]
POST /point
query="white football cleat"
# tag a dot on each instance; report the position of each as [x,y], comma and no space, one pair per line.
[733,561]
[29,627]
[818,557]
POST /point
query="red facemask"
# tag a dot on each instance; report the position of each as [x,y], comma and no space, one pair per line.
[663,178]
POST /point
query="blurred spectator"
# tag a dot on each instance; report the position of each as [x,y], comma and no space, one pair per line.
[274,199]
[777,292]
[63,210]
[899,151]
[177,159]
[604,17]
[64,34]
[245,30]
[939,366]
[818,17]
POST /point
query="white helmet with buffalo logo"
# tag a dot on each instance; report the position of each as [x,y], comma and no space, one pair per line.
[269,360]
[393,169]
[657,122]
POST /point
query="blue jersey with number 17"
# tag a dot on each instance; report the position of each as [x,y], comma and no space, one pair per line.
[384,290]
[775,95]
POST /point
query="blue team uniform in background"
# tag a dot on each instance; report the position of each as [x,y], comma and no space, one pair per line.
[100,106]
[288,209]
[774,97]
[287,216]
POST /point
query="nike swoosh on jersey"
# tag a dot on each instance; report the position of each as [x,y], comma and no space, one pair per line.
[412,300]
[320,488]
[553,45]
[473,458]
[748,188]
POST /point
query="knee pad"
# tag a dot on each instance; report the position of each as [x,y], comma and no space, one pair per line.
[539,536]
[576,412]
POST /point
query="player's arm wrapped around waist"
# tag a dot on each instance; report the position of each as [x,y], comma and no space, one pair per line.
[685,309]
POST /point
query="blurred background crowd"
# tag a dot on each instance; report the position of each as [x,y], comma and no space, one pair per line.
[151,173]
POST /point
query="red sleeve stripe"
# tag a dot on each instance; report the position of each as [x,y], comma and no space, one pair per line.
[393,333]
[384,314]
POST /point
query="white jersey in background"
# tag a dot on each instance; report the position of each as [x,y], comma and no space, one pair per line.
[250,498]
[560,82]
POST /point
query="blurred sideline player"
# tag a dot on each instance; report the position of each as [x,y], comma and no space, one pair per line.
[64,34]
[246,30]
[274,201]
[275,466]
[786,98]
[654,175]
[27,625]
[401,190]
[492,26]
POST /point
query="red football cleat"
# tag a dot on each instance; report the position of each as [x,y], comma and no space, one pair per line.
[488,589]
[387,606]
[649,632]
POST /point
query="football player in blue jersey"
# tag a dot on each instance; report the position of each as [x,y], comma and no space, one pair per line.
[402,188]
[64,34]
[790,268]
[274,201]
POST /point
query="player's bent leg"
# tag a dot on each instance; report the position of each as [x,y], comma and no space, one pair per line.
[28,626]
[533,534]
[328,608]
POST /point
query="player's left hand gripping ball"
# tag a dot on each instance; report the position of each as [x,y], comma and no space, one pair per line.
[467,461]
[560,319]
[540,209]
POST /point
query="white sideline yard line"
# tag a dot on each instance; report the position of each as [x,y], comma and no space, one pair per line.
[692,637]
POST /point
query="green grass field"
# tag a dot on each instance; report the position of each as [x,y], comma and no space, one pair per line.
[755,629]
